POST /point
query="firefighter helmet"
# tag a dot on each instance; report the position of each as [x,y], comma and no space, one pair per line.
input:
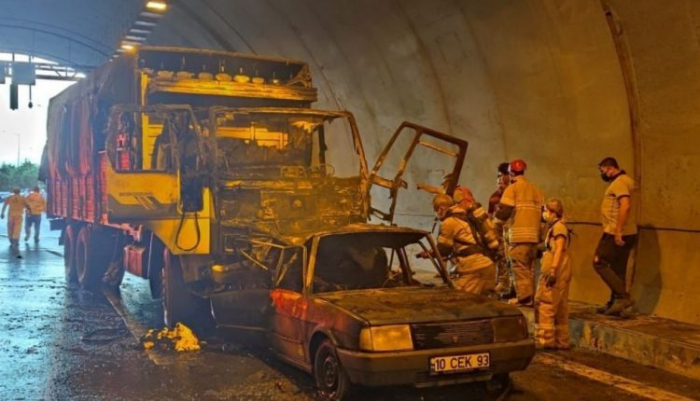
[517,166]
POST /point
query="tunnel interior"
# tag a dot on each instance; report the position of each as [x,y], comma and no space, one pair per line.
[559,83]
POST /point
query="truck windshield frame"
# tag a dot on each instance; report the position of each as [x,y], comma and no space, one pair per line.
[291,142]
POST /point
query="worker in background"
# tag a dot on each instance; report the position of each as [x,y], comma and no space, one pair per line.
[502,181]
[504,286]
[36,204]
[458,240]
[552,297]
[619,236]
[521,205]
[17,204]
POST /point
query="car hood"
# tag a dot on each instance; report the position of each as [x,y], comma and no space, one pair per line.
[416,305]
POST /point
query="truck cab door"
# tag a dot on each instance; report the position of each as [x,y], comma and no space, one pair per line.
[148,169]
[431,154]
[153,175]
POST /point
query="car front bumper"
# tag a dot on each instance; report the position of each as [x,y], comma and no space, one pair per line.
[413,367]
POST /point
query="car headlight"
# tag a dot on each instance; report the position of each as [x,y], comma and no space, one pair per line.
[386,338]
[509,329]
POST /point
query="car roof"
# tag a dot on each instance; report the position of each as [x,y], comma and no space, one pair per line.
[370,228]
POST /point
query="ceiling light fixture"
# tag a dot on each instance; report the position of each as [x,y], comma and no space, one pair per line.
[157,5]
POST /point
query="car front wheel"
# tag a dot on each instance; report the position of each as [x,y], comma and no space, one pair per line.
[331,380]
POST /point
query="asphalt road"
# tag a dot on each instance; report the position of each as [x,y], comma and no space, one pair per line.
[58,342]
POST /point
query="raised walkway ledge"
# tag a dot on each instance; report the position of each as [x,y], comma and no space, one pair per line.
[649,340]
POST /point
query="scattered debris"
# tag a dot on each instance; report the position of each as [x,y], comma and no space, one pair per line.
[181,339]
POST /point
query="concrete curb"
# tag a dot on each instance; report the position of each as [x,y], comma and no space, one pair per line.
[652,341]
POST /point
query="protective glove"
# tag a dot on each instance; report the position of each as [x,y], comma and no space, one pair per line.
[550,278]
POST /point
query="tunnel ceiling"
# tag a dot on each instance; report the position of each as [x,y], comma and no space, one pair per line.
[535,79]
[71,32]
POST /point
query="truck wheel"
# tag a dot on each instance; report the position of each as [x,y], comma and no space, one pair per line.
[69,254]
[92,257]
[155,270]
[331,380]
[179,304]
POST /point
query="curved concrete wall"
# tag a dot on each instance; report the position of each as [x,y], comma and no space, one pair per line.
[664,43]
[536,79]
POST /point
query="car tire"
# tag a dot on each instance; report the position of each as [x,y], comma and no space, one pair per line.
[331,380]
[499,387]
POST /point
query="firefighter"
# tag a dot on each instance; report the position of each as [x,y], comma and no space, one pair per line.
[17,204]
[504,286]
[457,239]
[36,204]
[521,205]
[619,236]
[551,299]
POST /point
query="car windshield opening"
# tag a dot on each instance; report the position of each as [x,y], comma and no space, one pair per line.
[374,260]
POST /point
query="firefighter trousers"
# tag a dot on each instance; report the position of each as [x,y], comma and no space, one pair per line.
[480,282]
[522,259]
[503,282]
[552,306]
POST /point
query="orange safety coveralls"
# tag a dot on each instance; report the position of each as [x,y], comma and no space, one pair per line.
[551,302]
[16,204]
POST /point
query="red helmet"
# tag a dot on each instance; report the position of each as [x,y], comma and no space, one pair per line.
[517,166]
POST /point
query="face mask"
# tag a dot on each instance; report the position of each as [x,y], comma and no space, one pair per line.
[547,217]
[605,178]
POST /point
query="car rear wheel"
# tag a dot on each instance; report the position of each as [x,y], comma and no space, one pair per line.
[331,380]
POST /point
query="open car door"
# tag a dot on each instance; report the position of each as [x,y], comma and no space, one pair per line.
[437,155]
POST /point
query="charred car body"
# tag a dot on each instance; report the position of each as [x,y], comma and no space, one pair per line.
[239,202]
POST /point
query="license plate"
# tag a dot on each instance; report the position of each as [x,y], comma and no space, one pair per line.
[459,363]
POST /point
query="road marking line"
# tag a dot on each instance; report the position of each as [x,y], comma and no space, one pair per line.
[631,386]
[135,329]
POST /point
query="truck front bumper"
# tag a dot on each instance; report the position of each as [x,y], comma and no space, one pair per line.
[413,367]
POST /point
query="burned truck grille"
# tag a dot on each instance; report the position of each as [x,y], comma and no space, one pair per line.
[443,335]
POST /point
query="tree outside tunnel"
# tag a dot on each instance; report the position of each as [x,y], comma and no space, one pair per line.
[23,176]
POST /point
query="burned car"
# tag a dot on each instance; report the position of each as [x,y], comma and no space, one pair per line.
[355,306]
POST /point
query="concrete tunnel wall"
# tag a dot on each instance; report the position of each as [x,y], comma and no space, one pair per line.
[536,79]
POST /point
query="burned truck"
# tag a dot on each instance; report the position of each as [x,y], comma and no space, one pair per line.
[209,174]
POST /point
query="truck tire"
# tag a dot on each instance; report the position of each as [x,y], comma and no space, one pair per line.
[92,257]
[155,269]
[69,253]
[180,305]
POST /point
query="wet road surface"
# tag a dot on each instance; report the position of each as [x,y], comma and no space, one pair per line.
[58,342]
